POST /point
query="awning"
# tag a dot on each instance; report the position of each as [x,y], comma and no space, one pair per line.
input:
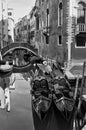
[81,35]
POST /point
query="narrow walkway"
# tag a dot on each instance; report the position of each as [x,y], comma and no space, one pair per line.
[20,116]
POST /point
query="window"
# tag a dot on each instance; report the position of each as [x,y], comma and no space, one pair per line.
[28,27]
[18,30]
[60,14]
[37,23]
[47,17]
[80,42]
[81,13]
[47,11]
[3,22]
[32,33]
[9,13]
[47,39]
[60,40]
[42,1]
[25,27]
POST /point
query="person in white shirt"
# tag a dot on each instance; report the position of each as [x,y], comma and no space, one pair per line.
[12,81]
[7,89]
[7,99]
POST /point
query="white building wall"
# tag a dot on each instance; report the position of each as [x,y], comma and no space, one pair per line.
[4,27]
[24,30]
[0,11]
[11,23]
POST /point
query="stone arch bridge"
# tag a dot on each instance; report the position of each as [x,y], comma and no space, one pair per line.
[25,46]
[13,46]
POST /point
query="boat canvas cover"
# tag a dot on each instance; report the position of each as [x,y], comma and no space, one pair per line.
[53,120]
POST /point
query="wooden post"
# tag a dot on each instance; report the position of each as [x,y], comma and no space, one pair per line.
[82,84]
[76,88]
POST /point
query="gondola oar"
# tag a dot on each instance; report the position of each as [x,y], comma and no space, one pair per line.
[82,85]
[77,120]
[76,88]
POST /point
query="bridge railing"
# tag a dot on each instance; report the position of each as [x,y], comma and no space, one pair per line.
[12,46]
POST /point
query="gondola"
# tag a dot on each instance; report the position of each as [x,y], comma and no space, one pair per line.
[5,73]
[41,102]
[64,105]
[41,96]
[65,109]
[52,108]
[5,69]
[77,81]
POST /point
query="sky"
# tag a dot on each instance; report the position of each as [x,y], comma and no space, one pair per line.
[21,7]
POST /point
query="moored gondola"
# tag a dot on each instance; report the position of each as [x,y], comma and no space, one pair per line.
[5,69]
[63,98]
[52,109]
[53,105]
[41,99]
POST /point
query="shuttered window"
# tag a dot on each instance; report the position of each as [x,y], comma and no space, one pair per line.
[60,14]
[37,23]
[60,40]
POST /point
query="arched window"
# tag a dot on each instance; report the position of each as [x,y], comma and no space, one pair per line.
[37,23]
[81,13]
[60,14]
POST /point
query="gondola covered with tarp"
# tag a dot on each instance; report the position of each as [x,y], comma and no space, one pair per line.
[53,103]
[76,76]
[6,69]
[41,97]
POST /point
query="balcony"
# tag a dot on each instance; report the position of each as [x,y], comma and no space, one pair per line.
[80,28]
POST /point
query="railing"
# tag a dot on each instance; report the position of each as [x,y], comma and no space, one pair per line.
[80,28]
[18,45]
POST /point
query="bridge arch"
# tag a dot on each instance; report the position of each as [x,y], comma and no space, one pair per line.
[22,69]
[14,46]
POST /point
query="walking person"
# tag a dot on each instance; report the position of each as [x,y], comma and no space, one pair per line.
[2,95]
[7,98]
[7,81]
[12,81]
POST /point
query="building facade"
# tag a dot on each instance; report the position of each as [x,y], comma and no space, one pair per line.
[58,29]
[17,31]
[62,29]
[42,26]
[6,24]
[78,46]
[3,23]
[10,25]
[32,26]
[22,30]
